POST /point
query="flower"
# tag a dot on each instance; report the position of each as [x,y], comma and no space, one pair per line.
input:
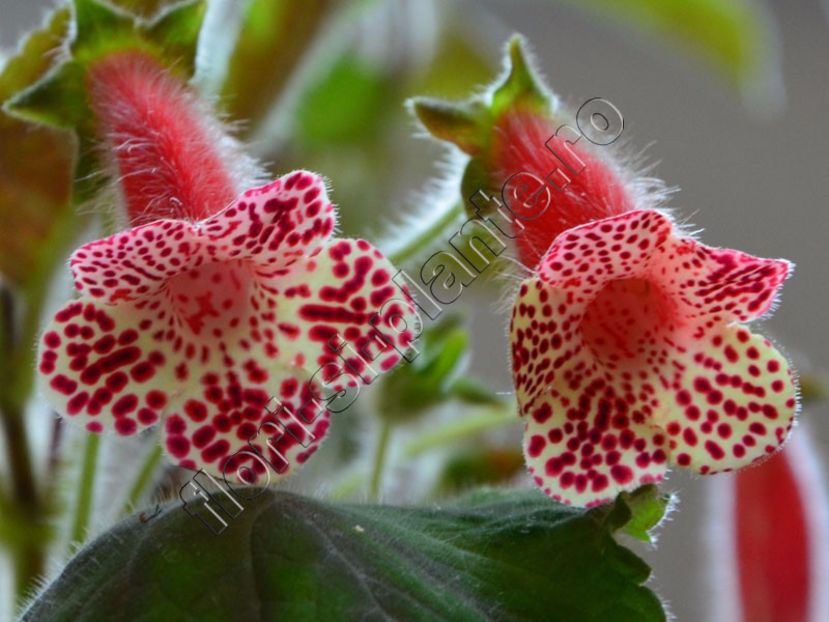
[199,324]
[628,352]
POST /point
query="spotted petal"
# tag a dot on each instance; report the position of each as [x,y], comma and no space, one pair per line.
[586,452]
[102,367]
[731,402]
[274,225]
[341,308]
[721,284]
[137,262]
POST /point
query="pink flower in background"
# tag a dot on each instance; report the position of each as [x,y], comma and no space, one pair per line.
[769,557]
[629,353]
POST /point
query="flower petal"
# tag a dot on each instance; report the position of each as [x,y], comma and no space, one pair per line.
[103,366]
[618,247]
[731,401]
[249,419]
[342,306]
[547,346]
[274,225]
[720,284]
[630,327]
[584,446]
[137,262]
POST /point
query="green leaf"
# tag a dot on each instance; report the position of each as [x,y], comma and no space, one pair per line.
[274,36]
[638,513]
[175,30]
[470,391]
[495,555]
[733,35]
[144,8]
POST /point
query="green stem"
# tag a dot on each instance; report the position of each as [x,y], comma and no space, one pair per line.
[145,476]
[86,489]
[425,238]
[490,418]
[380,459]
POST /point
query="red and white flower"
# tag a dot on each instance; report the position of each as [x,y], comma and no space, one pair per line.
[197,325]
[629,353]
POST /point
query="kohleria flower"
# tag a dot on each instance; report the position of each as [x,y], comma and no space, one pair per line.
[629,352]
[199,318]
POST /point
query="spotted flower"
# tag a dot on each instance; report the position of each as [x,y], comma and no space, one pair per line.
[198,325]
[629,353]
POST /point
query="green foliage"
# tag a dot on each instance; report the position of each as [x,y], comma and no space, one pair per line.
[470,125]
[640,511]
[494,555]
[521,88]
[461,124]
[60,99]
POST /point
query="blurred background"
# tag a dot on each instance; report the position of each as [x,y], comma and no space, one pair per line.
[734,111]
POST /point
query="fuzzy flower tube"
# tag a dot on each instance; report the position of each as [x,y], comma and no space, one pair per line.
[629,350]
[218,299]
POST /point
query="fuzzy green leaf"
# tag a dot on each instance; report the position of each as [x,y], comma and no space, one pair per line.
[428,380]
[495,555]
